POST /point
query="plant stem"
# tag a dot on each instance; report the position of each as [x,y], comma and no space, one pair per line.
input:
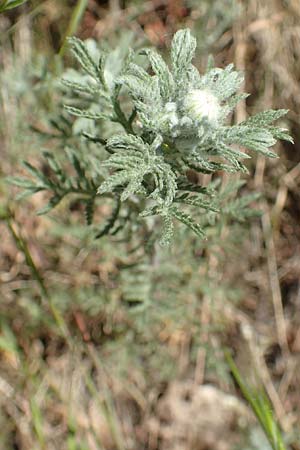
[74,23]
[23,247]
[121,118]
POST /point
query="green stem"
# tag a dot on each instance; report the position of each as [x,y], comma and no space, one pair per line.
[74,23]
[121,118]
[261,407]
[23,247]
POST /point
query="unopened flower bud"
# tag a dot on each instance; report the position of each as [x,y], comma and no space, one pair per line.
[201,104]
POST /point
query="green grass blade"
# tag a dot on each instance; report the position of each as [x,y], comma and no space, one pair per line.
[5,5]
[261,407]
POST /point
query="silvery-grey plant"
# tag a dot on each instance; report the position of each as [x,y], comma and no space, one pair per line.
[175,121]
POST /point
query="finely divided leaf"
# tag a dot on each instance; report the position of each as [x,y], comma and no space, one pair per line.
[160,68]
[126,141]
[222,82]
[87,114]
[187,220]
[182,50]
[253,138]
[83,56]
[265,118]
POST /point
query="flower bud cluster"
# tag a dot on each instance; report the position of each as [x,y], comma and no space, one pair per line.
[200,104]
[199,107]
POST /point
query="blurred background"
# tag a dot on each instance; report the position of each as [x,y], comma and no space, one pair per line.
[80,367]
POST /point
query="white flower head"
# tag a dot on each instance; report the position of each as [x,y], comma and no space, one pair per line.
[201,104]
